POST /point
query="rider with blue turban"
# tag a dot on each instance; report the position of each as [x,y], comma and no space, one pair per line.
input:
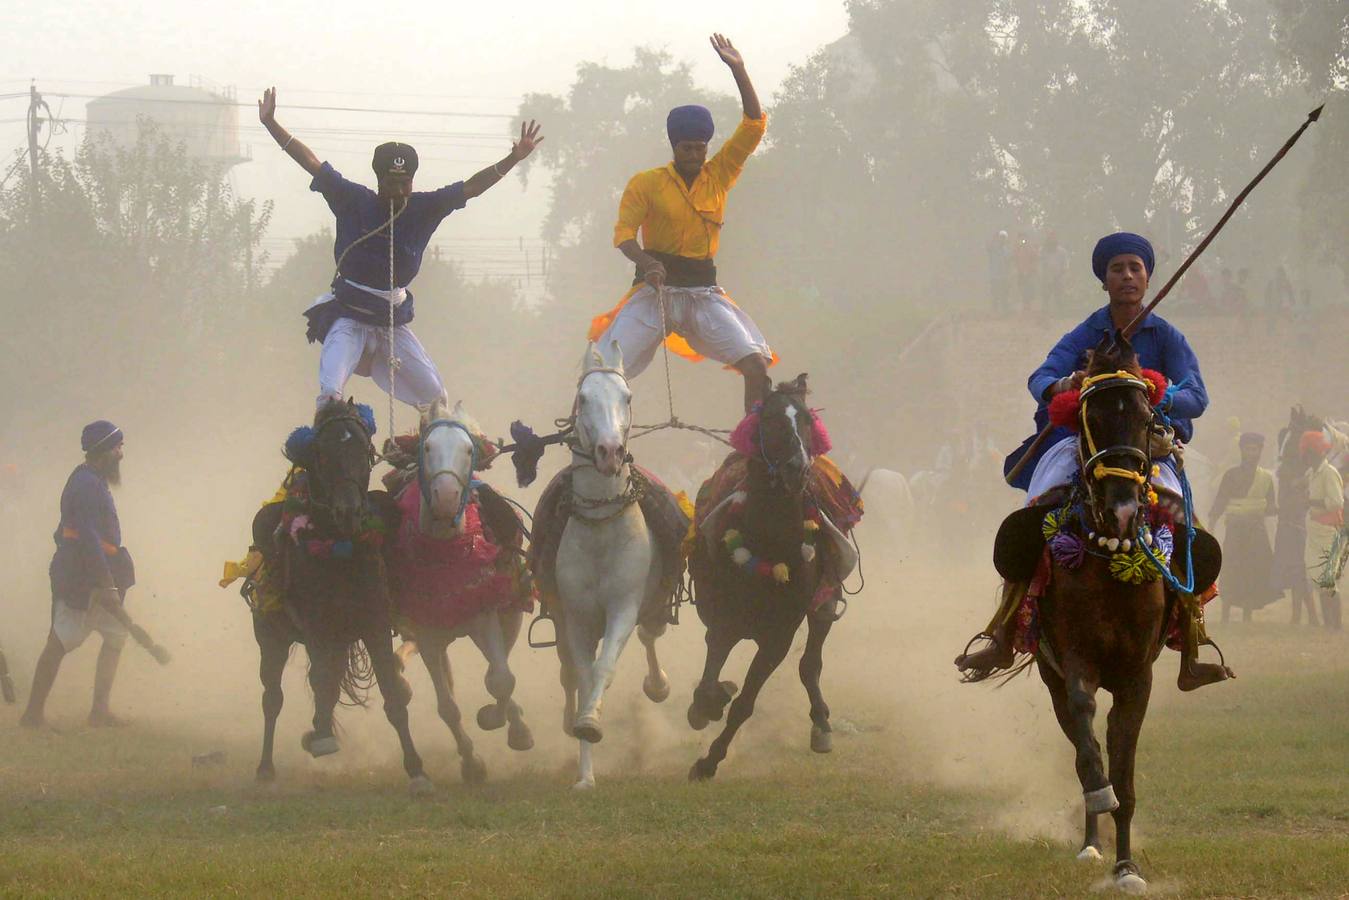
[1123,262]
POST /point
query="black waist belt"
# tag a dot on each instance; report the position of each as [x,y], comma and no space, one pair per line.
[680,271]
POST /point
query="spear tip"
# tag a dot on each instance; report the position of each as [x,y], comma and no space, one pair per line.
[1316,113]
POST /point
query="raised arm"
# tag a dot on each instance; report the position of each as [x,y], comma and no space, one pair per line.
[749,100]
[294,147]
[529,139]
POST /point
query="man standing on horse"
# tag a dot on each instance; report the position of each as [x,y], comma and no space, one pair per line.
[679,209]
[354,321]
[1123,262]
[90,574]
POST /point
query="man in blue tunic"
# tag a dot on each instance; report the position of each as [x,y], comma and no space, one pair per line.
[352,320]
[1123,262]
[90,572]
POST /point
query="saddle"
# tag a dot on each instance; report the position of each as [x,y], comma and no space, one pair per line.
[665,517]
[839,504]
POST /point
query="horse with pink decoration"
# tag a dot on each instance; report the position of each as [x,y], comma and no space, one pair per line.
[457,569]
[770,547]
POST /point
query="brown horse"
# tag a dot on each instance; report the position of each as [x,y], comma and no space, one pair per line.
[1096,630]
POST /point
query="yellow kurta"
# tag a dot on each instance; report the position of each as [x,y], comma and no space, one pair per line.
[1325,490]
[681,220]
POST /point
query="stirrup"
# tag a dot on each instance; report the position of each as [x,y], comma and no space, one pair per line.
[543,616]
[1209,642]
[970,675]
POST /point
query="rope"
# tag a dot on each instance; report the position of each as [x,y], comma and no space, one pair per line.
[394,362]
[665,348]
[1165,570]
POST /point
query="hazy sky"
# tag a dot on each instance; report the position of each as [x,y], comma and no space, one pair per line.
[478,57]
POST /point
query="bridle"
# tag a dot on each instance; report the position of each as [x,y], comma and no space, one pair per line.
[424,478]
[1093,458]
[774,468]
[343,477]
[574,440]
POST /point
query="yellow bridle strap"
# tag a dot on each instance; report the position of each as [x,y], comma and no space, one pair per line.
[1103,471]
[1106,376]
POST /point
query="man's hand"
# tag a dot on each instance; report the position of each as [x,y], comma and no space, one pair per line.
[267,107]
[529,139]
[654,273]
[726,50]
[1066,383]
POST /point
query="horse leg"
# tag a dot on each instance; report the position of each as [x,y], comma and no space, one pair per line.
[568,676]
[1066,715]
[812,663]
[518,734]
[582,635]
[656,684]
[710,696]
[618,627]
[274,649]
[772,651]
[490,639]
[401,656]
[1122,728]
[327,659]
[436,659]
[380,647]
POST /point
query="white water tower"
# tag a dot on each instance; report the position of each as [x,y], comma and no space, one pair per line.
[205,118]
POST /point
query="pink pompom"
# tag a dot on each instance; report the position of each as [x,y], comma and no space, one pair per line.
[819,435]
[745,437]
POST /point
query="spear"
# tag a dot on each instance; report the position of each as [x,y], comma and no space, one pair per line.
[1189,261]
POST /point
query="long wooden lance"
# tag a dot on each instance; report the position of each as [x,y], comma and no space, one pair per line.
[1137,320]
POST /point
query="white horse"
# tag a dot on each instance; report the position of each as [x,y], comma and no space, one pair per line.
[445,471]
[608,562]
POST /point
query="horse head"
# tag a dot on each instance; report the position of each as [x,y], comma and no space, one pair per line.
[447,454]
[785,441]
[603,409]
[1115,416]
[338,461]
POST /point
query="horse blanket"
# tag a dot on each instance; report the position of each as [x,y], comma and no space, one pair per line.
[665,516]
[444,582]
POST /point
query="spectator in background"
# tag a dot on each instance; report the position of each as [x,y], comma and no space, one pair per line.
[1279,290]
[1195,290]
[1054,264]
[1026,257]
[1246,497]
[999,271]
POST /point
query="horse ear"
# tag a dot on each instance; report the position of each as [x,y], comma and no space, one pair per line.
[615,356]
[593,359]
[801,382]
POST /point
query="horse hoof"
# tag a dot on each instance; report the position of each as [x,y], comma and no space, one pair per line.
[421,786]
[656,691]
[821,739]
[1128,879]
[731,689]
[519,737]
[702,770]
[1089,854]
[587,728]
[318,746]
[697,720]
[266,775]
[585,784]
[491,717]
[473,770]
[1102,800]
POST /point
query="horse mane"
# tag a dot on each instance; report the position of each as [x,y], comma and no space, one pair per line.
[1113,355]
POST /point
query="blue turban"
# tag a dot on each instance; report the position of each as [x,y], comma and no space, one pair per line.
[689,123]
[1112,245]
[100,435]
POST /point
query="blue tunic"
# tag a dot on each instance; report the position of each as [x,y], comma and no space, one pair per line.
[1158,344]
[359,211]
[88,528]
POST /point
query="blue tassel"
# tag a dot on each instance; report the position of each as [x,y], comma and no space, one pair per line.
[342,549]
[298,443]
[367,417]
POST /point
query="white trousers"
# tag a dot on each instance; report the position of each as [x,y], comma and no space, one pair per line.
[72,627]
[704,316]
[1059,464]
[353,347]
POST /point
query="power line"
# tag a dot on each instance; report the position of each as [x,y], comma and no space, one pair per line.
[113,98]
[296,90]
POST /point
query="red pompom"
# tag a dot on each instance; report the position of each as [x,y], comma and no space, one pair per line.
[1158,385]
[819,436]
[745,437]
[1063,409]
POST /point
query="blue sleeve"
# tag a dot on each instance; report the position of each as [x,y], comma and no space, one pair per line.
[446,200]
[1182,367]
[85,501]
[339,192]
[1061,361]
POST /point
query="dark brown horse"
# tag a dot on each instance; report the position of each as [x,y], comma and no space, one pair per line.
[1099,632]
[737,603]
[326,574]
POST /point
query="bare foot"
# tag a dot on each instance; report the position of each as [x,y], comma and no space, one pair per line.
[1197,675]
[105,719]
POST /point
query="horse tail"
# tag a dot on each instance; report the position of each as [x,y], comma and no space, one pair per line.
[358,676]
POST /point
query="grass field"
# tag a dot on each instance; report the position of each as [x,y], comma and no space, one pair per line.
[933,789]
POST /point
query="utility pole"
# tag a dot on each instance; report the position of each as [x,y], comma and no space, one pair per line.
[34,105]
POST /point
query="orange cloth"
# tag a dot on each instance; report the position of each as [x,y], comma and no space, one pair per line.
[73,534]
[674,218]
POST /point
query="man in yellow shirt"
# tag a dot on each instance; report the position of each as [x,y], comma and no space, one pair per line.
[1246,498]
[679,209]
